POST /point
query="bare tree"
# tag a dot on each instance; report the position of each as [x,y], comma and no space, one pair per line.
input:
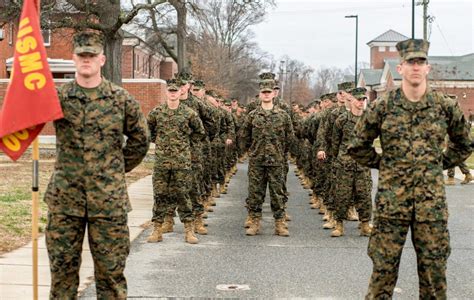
[326,79]
[105,16]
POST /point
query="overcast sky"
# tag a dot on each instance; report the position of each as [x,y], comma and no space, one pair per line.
[316,32]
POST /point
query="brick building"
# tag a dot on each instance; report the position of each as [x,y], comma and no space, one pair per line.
[453,75]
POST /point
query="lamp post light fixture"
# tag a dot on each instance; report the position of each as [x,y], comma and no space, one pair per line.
[356,39]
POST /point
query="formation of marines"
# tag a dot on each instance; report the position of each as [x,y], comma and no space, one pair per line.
[198,139]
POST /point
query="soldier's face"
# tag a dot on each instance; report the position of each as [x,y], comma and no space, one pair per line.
[88,65]
[277,92]
[266,96]
[358,103]
[341,97]
[173,95]
[414,71]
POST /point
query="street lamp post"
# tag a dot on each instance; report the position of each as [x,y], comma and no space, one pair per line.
[357,34]
[282,78]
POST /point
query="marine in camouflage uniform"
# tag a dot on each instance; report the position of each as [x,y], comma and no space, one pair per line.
[352,181]
[268,134]
[87,188]
[412,122]
[173,129]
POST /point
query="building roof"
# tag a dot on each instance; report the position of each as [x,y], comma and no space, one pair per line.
[459,68]
[371,77]
[389,36]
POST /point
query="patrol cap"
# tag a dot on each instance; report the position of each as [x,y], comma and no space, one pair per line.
[266,85]
[267,76]
[324,97]
[173,84]
[413,48]
[332,97]
[211,93]
[88,42]
[359,93]
[199,84]
[184,76]
[346,86]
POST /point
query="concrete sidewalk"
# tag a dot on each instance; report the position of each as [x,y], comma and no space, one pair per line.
[16,272]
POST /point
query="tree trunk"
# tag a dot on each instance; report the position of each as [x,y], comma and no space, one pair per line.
[181,34]
[112,69]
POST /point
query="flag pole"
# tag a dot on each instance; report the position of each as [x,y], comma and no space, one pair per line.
[35,215]
[35,204]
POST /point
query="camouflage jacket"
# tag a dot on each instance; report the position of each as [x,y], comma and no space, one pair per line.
[324,135]
[268,135]
[173,132]
[412,159]
[92,154]
[343,134]
[227,128]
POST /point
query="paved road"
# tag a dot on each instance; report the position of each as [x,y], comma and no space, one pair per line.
[308,264]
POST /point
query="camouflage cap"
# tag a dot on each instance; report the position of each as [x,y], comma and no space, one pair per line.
[324,97]
[173,84]
[88,42]
[266,85]
[199,84]
[277,85]
[413,48]
[346,86]
[332,97]
[359,93]
[267,76]
[184,76]
[211,93]
[227,102]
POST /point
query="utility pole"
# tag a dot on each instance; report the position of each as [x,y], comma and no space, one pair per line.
[425,19]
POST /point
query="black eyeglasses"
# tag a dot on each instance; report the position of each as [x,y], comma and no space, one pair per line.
[418,61]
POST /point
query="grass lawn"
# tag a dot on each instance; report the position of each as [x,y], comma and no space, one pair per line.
[15,198]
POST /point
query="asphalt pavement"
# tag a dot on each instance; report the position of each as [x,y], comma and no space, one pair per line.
[308,264]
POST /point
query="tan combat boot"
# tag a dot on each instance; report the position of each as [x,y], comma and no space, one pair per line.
[189,236]
[215,191]
[280,228]
[287,217]
[254,227]
[339,230]
[199,227]
[316,202]
[248,222]
[352,214]
[331,223]
[467,179]
[450,181]
[222,189]
[211,201]
[322,209]
[326,216]
[168,224]
[365,228]
[157,234]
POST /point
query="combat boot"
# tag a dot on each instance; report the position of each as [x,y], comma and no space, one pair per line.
[365,228]
[322,209]
[280,228]
[352,214]
[211,201]
[189,236]
[326,215]
[254,227]
[467,179]
[331,223]
[287,217]
[222,189]
[168,224]
[199,227]
[339,230]
[215,191]
[157,234]
[248,222]
[450,181]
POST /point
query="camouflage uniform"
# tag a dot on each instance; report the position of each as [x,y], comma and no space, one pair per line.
[267,134]
[88,186]
[173,131]
[350,182]
[410,189]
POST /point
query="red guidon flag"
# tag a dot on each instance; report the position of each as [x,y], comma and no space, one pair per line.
[31,99]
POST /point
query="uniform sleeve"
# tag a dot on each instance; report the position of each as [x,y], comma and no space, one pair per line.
[291,142]
[208,119]
[337,135]
[198,131]
[230,126]
[138,138]
[322,133]
[460,147]
[245,134]
[151,121]
[367,129]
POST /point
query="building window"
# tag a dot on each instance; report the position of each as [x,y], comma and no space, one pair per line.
[10,34]
[393,49]
[46,33]
[381,48]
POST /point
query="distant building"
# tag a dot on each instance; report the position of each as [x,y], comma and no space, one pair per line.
[453,75]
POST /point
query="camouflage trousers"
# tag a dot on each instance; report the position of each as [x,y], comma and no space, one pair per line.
[350,188]
[109,244]
[197,188]
[171,191]
[259,177]
[322,185]
[431,242]
[462,166]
